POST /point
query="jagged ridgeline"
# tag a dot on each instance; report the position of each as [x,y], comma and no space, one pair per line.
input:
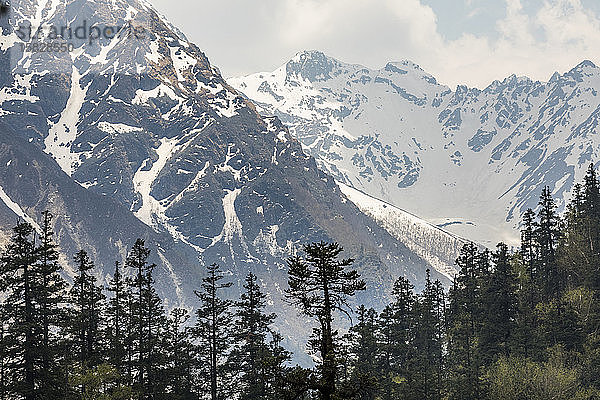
[136,135]
[400,135]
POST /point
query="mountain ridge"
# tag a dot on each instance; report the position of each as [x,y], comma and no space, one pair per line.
[400,136]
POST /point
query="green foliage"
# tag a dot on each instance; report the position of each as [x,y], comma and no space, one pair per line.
[31,347]
[101,383]
[499,304]
[560,325]
[364,367]
[180,356]
[396,332]
[426,366]
[258,352]
[515,378]
[465,324]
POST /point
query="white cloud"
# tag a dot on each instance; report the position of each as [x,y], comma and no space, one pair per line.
[242,36]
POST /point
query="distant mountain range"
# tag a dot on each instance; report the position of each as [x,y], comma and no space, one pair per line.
[468,160]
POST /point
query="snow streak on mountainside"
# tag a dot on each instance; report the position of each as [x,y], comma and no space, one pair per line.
[469,160]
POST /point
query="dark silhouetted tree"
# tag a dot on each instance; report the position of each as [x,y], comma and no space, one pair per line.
[320,285]
[214,332]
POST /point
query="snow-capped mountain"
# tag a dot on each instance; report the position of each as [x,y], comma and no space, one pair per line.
[468,160]
[140,135]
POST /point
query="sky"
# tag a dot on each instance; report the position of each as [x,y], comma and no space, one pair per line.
[470,42]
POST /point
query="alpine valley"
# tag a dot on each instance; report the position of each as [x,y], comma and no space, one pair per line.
[129,137]
[471,161]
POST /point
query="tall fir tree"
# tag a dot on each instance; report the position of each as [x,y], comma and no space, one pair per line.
[148,319]
[440,338]
[180,361]
[26,309]
[116,321]
[131,333]
[500,304]
[363,382]
[281,382]
[580,253]
[52,300]
[320,285]
[22,334]
[86,314]
[591,214]
[5,357]
[252,352]
[529,251]
[396,336]
[547,235]
[427,363]
[464,326]
[525,342]
[154,323]
[214,333]
[574,254]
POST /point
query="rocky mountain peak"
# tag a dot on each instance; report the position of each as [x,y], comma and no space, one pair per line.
[313,66]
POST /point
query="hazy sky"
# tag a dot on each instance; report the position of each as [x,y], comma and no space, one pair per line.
[468,42]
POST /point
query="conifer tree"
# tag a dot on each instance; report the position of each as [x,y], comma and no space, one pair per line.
[180,360]
[148,319]
[524,341]
[591,216]
[464,326]
[440,338]
[214,333]
[538,309]
[528,248]
[252,353]
[591,206]
[320,285]
[22,336]
[427,363]
[589,258]
[282,384]
[51,297]
[499,301]
[547,237]
[86,315]
[396,336]
[560,325]
[131,333]
[116,315]
[5,358]
[365,375]
[580,250]
[154,322]
[574,255]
